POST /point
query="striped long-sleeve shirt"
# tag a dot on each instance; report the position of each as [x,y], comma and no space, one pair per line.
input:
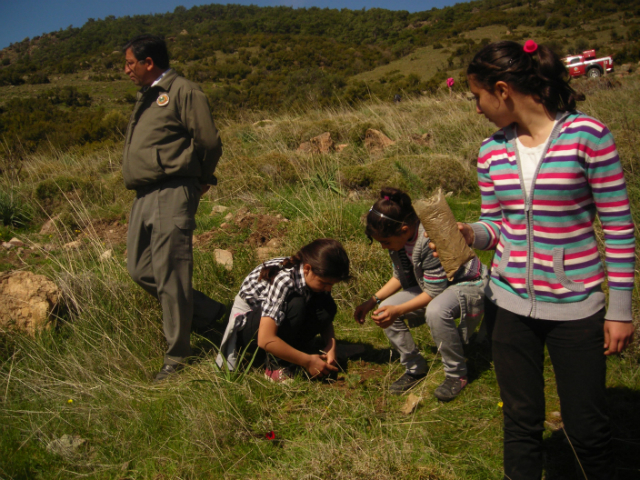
[546,251]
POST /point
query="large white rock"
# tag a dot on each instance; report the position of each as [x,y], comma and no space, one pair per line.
[224,257]
[26,301]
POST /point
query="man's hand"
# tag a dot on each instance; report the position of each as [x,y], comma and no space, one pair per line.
[617,335]
[385,316]
[361,310]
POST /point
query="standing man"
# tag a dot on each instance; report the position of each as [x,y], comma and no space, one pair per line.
[171,150]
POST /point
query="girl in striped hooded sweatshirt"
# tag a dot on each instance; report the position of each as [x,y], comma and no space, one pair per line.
[543,177]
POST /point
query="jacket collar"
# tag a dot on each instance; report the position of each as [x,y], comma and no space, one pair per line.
[165,83]
[510,131]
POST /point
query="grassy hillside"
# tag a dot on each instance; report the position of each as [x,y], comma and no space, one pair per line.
[280,59]
[89,377]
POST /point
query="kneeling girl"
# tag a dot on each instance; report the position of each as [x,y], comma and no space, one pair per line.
[419,291]
[285,303]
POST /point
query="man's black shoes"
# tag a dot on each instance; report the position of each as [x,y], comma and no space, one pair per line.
[167,371]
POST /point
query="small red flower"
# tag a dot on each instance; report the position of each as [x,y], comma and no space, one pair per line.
[450,82]
[530,46]
[270,435]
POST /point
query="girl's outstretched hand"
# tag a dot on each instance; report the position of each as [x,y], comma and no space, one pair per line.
[385,316]
[318,367]
[361,310]
[617,336]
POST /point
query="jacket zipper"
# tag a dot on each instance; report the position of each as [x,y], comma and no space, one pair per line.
[528,207]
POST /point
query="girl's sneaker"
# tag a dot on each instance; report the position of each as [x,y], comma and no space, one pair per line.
[279,375]
[450,388]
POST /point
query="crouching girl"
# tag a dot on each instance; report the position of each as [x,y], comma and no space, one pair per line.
[284,304]
[419,291]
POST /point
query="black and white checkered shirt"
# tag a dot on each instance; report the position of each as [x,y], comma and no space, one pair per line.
[271,297]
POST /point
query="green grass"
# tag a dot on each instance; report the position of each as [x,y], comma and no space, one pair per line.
[91,375]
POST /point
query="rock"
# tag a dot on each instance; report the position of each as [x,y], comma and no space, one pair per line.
[353,196]
[184,32]
[375,141]
[273,243]
[107,255]
[341,147]
[224,257]
[265,253]
[625,68]
[423,140]
[72,245]
[49,226]
[469,96]
[66,445]
[320,144]
[228,217]
[16,242]
[218,209]
[411,404]
[26,301]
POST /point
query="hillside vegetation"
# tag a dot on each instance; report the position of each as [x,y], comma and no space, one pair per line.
[89,377]
[275,59]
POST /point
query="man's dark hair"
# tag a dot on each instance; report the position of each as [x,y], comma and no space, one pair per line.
[144,46]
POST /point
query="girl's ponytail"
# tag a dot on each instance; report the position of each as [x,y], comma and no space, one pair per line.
[530,69]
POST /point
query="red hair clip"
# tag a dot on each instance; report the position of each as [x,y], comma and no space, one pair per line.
[530,46]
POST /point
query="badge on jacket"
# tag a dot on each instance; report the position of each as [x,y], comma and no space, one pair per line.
[163,100]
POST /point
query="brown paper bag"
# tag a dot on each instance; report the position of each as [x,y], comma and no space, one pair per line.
[441,226]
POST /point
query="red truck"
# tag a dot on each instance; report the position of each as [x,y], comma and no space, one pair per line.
[588,64]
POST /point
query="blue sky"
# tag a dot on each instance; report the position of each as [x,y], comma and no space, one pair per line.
[30,18]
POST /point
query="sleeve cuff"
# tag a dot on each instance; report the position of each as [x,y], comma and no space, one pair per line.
[482,239]
[619,309]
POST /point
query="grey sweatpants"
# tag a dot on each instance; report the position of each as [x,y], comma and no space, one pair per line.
[160,259]
[440,315]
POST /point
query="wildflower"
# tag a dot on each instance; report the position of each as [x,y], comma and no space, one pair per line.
[270,435]
[70,401]
[500,404]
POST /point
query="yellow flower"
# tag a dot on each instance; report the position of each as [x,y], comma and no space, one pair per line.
[70,401]
[500,404]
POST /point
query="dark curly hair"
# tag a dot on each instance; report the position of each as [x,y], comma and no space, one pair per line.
[541,74]
[326,256]
[396,207]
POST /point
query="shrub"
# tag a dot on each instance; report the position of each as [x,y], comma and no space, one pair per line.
[14,211]
[38,78]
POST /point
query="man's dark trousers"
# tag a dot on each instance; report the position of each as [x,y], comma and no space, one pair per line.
[160,259]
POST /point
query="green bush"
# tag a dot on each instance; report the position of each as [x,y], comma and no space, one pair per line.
[38,78]
[418,174]
[14,211]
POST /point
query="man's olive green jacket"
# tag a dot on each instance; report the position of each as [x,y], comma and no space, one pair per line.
[171,134]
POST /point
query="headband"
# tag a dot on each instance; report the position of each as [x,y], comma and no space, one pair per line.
[383,215]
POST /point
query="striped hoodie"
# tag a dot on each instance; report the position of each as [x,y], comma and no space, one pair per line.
[546,253]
